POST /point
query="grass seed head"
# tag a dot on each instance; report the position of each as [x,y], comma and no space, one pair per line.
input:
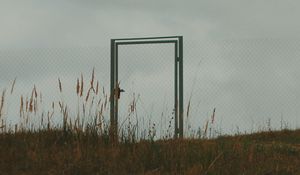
[87,95]
[2,102]
[92,80]
[77,87]
[21,106]
[97,88]
[81,87]
[13,85]
[59,85]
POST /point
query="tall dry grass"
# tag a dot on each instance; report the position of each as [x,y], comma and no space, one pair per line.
[81,144]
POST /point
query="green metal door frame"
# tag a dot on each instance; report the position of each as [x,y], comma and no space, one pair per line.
[178,83]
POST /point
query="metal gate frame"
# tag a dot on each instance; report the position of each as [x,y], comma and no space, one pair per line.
[178,85]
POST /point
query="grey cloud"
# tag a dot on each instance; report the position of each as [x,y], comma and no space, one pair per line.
[243,73]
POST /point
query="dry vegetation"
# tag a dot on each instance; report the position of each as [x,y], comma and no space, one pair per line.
[58,152]
[81,144]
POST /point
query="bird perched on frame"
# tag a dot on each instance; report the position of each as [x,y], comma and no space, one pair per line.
[118,91]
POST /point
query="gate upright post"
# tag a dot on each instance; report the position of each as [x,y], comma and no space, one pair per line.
[181,87]
[112,90]
[176,91]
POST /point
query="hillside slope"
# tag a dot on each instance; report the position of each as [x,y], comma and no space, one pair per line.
[57,152]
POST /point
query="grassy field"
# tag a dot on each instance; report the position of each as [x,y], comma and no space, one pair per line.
[71,152]
[80,144]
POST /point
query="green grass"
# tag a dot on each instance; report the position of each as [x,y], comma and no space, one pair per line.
[58,152]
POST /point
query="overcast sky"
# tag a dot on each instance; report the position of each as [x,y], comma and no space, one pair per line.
[241,56]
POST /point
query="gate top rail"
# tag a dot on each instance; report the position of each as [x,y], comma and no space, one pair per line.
[147,38]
